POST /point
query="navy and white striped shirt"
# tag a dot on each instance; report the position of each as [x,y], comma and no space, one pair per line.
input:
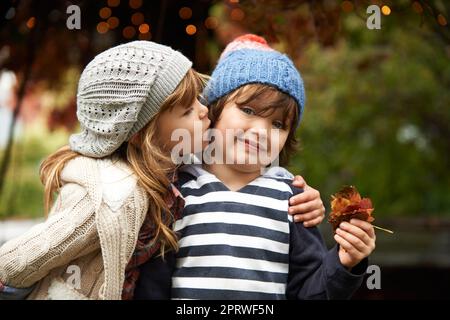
[232,248]
[233,244]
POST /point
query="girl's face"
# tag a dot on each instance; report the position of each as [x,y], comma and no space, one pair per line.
[256,140]
[192,121]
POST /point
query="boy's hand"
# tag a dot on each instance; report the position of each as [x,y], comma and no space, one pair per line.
[356,240]
[306,206]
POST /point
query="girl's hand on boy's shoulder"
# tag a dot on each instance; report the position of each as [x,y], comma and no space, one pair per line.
[356,241]
[306,207]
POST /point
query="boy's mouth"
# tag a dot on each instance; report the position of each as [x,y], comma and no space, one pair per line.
[251,144]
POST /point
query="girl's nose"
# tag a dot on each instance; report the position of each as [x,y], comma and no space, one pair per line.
[203,111]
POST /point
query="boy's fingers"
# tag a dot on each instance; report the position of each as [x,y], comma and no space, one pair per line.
[344,244]
[356,242]
[356,231]
[351,251]
[310,215]
[304,209]
[307,195]
[299,182]
[314,222]
[366,226]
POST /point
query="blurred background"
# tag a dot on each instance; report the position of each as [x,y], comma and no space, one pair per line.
[377,114]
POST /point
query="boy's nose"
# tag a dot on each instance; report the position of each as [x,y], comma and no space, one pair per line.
[261,125]
[259,132]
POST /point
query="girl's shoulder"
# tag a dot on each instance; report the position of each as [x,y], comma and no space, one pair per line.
[108,179]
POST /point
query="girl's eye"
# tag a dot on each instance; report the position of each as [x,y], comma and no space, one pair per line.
[278,124]
[188,112]
[248,110]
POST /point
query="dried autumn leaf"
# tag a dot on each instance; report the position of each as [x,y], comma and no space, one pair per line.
[347,204]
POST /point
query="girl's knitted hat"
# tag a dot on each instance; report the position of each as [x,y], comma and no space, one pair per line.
[249,59]
[120,91]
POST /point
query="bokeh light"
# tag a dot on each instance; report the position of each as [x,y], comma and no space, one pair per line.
[386,10]
[137,18]
[113,3]
[211,22]
[102,27]
[31,23]
[129,32]
[105,13]
[185,13]
[113,22]
[191,29]
[135,4]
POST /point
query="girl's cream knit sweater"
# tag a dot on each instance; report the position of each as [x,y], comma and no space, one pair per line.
[82,249]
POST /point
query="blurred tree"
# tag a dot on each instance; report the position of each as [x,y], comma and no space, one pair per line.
[37,45]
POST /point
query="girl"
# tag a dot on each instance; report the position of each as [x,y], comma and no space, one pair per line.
[115,204]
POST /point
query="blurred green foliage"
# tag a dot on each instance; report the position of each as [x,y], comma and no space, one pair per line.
[23,195]
[377,116]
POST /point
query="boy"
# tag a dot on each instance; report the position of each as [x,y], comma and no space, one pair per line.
[236,239]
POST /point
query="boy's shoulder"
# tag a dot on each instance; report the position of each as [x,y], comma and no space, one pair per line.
[282,175]
[193,176]
[275,177]
[278,173]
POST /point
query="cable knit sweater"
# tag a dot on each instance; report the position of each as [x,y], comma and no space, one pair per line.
[82,249]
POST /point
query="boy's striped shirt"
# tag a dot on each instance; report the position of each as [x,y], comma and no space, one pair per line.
[233,244]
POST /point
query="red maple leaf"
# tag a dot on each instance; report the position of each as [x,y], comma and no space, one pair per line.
[347,204]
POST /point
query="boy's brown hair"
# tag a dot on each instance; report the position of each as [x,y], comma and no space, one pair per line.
[265,99]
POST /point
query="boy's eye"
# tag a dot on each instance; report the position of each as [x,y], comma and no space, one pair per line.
[188,111]
[248,110]
[277,125]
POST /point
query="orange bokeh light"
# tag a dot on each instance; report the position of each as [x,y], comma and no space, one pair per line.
[347,6]
[211,22]
[135,4]
[237,14]
[441,20]
[137,18]
[191,29]
[113,22]
[31,23]
[102,27]
[145,36]
[386,10]
[144,28]
[113,3]
[105,13]
[129,32]
[185,13]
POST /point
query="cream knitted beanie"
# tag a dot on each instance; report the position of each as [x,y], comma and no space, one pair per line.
[120,91]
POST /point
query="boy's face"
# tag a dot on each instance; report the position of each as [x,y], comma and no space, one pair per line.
[257,139]
[193,121]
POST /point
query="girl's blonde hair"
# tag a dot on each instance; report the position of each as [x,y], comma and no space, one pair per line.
[151,165]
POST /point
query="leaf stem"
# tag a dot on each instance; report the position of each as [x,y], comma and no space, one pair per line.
[383,229]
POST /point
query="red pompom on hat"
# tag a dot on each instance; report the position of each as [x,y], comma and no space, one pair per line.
[247,41]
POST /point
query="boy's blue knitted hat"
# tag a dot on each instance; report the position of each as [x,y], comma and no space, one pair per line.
[249,59]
